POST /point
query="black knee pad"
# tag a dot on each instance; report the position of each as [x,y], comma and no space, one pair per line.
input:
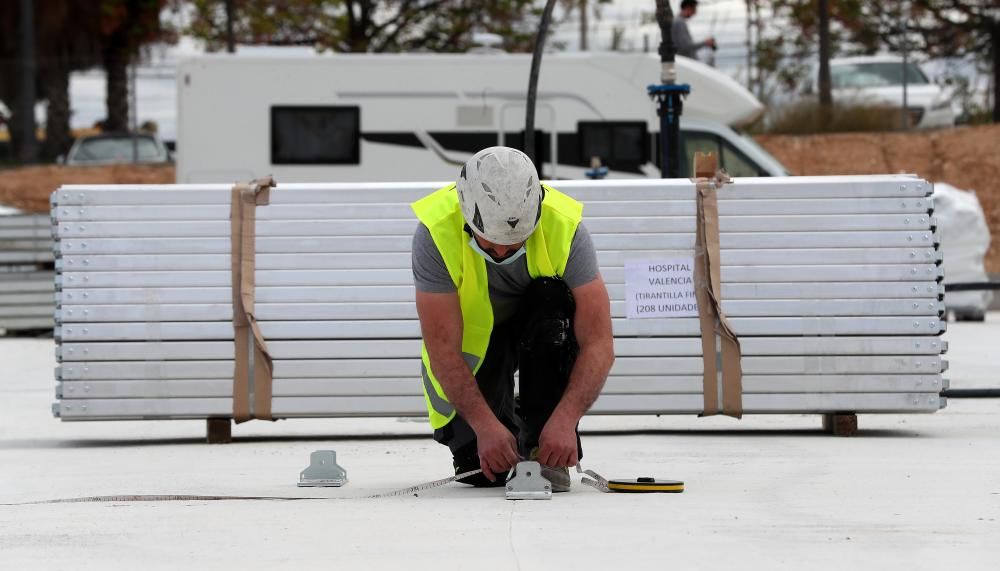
[548,343]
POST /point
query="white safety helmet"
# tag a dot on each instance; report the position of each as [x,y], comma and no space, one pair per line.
[500,195]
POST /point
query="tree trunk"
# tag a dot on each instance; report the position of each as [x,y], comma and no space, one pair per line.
[230,37]
[583,25]
[825,95]
[995,42]
[27,146]
[57,133]
[116,67]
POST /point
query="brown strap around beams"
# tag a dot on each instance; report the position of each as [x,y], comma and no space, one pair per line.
[253,369]
[720,346]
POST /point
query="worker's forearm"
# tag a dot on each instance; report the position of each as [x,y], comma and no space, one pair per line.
[586,380]
[460,387]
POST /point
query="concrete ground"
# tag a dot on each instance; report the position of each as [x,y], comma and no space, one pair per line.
[909,492]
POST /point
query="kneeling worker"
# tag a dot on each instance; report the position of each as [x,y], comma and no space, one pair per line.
[507,280]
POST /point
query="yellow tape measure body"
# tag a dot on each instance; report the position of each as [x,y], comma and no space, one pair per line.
[646,485]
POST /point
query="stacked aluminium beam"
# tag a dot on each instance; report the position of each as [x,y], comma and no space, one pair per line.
[831,283]
[26,274]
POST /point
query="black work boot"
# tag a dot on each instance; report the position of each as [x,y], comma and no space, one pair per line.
[467,463]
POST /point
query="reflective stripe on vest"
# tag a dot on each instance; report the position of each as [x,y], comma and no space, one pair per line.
[547,251]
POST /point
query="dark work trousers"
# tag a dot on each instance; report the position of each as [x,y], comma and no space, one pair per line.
[540,343]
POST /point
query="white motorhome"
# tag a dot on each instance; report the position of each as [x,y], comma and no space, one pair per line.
[347,117]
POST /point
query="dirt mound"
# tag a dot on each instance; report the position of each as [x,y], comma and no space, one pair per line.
[965,157]
[28,188]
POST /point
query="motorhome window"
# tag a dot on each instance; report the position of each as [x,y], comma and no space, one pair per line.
[312,135]
[738,164]
[698,142]
[621,145]
[730,158]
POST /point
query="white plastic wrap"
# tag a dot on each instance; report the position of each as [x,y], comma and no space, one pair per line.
[965,238]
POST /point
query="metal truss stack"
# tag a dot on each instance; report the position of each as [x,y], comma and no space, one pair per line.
[26,274]
[831,283]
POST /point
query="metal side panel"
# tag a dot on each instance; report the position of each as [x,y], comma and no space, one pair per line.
[11,221]
[410,386]
[407,310]
[42,298]
[25,323]
[163,350]
[41,233]
[27,311]
[728,206]
[630,366]
[290,407]
[638,224]
[27,244]
[402,259]
[926,290]
[403,348]
[410,367]
[410,329]
[19,283]
[146,370]
[825,187]
[379,277]
[144,409]
[797,403]
[769,240]
[771,326]
[44,255]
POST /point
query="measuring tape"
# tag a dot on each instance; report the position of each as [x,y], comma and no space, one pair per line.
[638,485]
[192,498]
[595,480]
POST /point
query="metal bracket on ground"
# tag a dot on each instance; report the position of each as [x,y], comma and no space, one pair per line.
[323,471]
[527,483]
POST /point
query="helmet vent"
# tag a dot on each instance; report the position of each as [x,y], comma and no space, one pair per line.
[513,222]
[489,193]
[477,220]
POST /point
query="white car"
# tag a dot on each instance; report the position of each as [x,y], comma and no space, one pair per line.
[117,148]
[879,80]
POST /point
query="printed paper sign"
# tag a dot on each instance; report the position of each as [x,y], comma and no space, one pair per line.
[660,288]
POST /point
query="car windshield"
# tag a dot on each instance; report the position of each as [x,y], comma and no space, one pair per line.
[118,149]
[860,75]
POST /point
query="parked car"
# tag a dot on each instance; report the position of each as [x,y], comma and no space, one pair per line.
[879,80]
[117,148]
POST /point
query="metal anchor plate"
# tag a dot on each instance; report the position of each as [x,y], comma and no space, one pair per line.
[323,471]
[527,483]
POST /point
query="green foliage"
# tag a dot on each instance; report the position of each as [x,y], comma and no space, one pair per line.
[366,25]
[934,28]
[807,117]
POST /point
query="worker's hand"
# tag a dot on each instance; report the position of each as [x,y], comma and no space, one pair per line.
[497,450]
[710,42]
[557,442]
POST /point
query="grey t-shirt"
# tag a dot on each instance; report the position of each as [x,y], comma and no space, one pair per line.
[683,43]
[506,283]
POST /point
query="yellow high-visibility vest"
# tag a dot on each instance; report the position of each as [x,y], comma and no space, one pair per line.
[547,251]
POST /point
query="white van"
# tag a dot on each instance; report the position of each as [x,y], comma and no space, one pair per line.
[355,117]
